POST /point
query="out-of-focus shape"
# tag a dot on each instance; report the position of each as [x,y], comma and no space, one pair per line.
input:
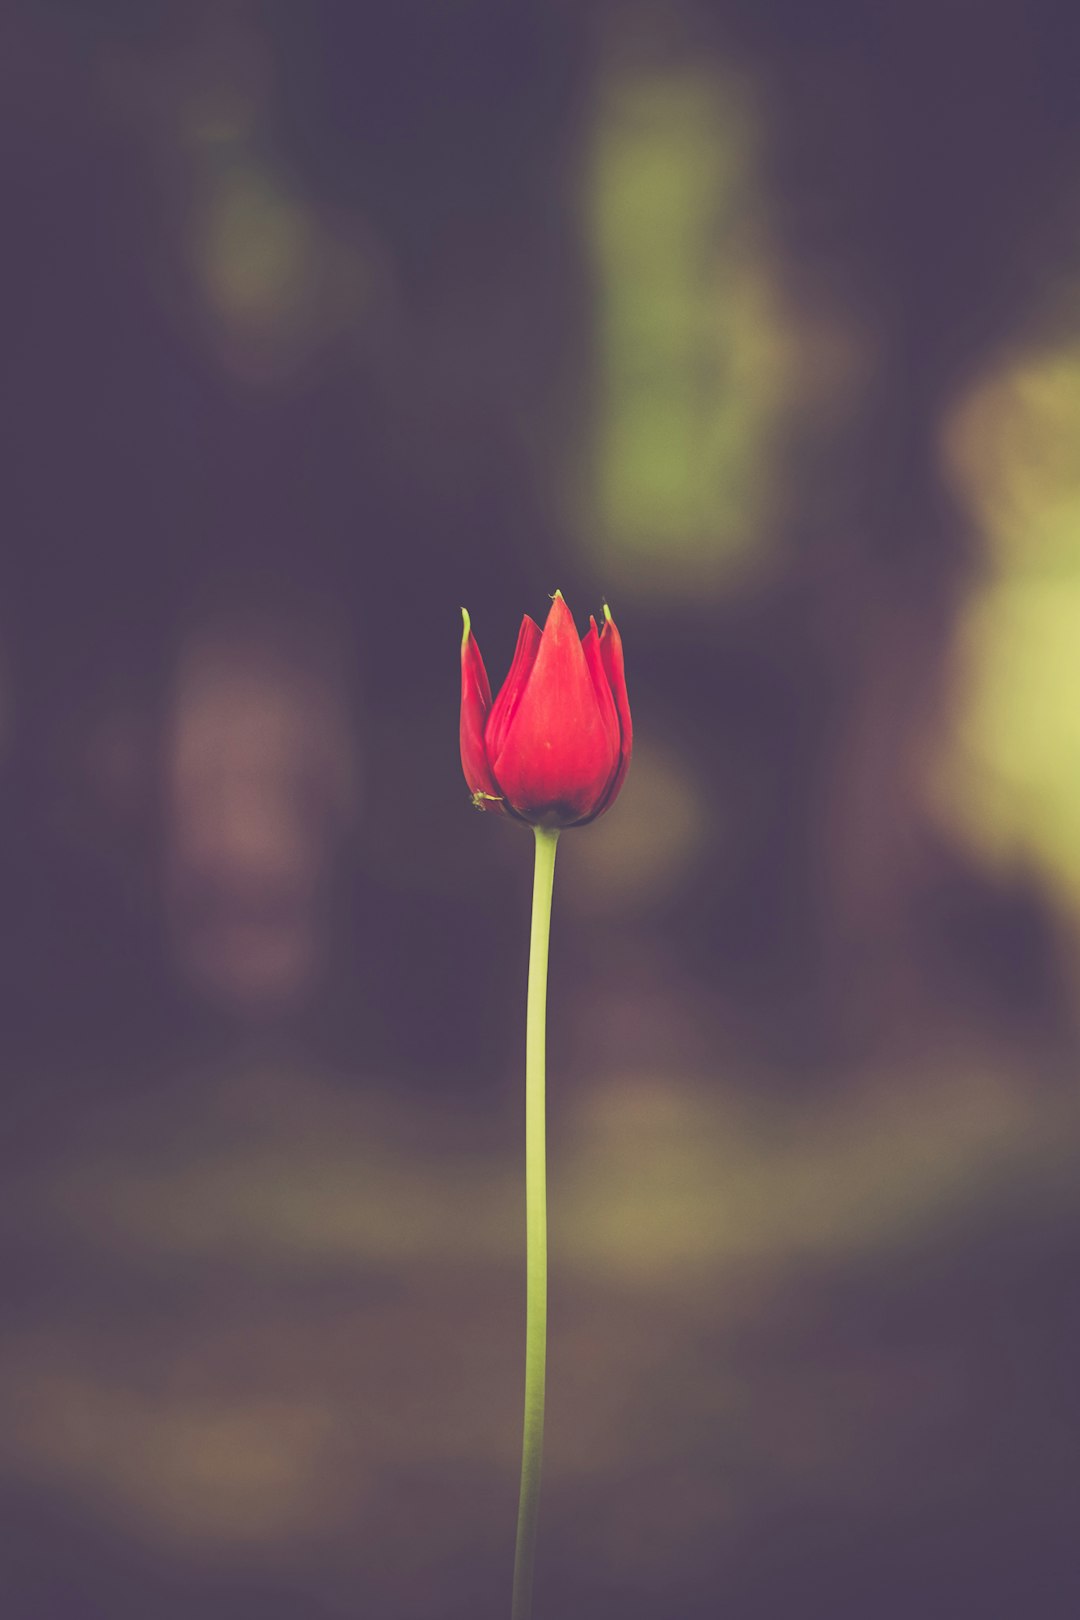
[1010,450]
[1010,782]
[282,280]
[259,784]
[278,281]
[711,363]
[635,858]
[687,359]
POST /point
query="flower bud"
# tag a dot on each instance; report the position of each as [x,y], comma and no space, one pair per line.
[553,749]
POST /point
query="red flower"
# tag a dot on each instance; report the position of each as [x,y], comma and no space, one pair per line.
[554,747]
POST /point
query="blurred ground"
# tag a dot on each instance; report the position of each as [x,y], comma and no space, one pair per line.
[261,1354]
[761,323]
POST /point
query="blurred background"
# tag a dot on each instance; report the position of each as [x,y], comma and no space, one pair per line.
[762,321]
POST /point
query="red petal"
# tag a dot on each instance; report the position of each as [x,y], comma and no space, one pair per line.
[505,706]
[611,653]
[475,704]
[559,751]
[590,646]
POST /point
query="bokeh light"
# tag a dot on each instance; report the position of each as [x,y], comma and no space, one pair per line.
[1011,780]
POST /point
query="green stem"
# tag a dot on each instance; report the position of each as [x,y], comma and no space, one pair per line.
[535,1224]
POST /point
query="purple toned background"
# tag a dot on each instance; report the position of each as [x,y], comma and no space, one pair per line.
[320,321]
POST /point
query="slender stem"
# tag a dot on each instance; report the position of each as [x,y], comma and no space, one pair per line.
[535,1224]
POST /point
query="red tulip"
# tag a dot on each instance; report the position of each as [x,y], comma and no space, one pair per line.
[554,747]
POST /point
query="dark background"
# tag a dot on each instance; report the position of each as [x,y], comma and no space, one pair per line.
[762,322]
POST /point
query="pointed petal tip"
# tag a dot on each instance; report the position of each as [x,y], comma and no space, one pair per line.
[559,611]
[466,628]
